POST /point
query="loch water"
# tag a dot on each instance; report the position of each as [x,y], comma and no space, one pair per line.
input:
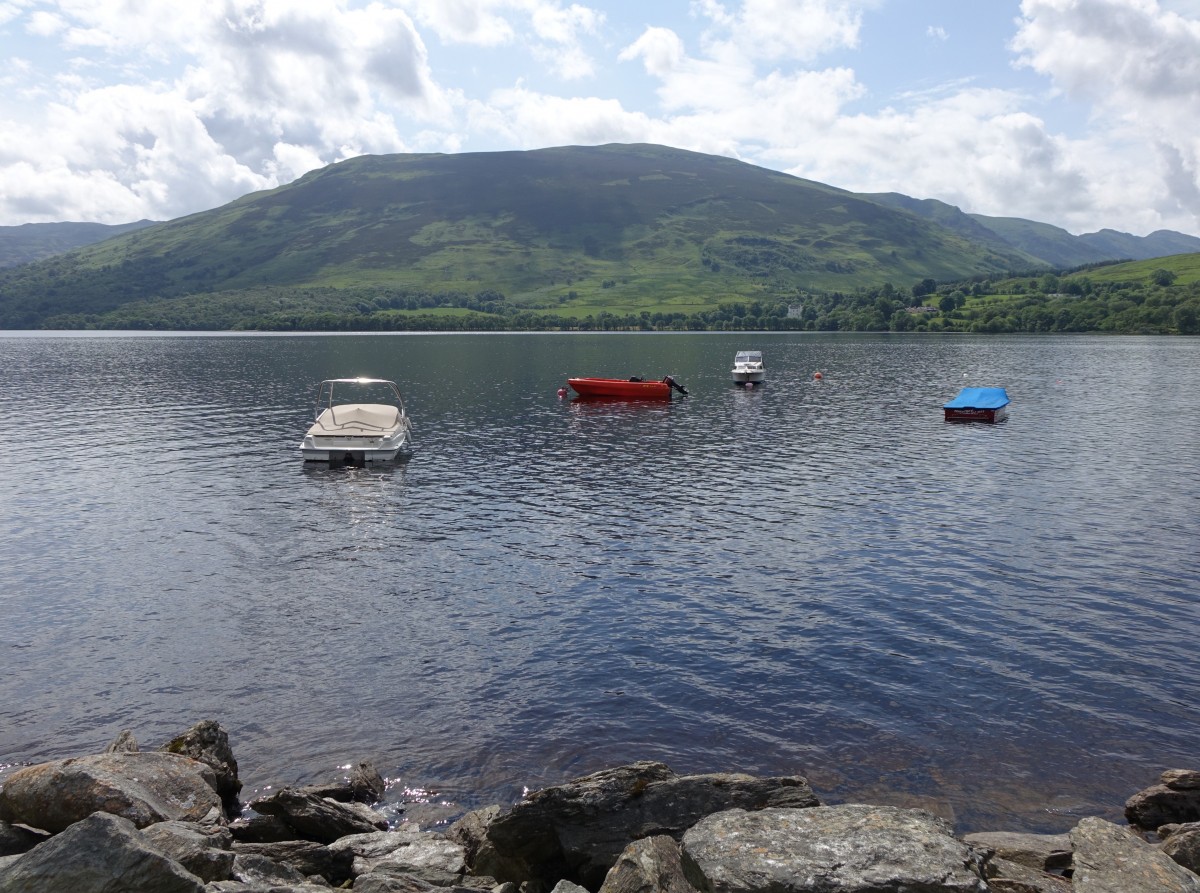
[994,622]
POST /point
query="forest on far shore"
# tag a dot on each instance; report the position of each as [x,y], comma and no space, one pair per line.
[1159,301]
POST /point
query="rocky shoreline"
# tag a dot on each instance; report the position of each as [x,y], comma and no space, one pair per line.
[133,821]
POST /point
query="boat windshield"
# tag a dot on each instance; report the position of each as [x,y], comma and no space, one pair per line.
[338,391]
[748,356]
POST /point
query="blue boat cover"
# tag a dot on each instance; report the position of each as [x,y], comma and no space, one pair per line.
[978,398]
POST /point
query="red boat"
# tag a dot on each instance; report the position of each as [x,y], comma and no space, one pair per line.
[627,388]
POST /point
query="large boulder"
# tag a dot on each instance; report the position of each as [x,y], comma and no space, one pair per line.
[208,743]
[850,849]
[576,831]
[142,787]
[305,856]
[103,853]
[319,818]
[1111,859]
[202,850]
[431,857]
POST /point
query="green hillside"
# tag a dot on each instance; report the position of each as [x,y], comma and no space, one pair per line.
[1184,270]
[576,231]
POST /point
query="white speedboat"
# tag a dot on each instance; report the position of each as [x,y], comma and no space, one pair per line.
[748,367]
[357,433]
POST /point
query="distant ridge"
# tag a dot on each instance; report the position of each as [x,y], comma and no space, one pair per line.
[34,241]
[1046,244]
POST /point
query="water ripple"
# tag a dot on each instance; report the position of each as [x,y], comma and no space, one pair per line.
[811,576]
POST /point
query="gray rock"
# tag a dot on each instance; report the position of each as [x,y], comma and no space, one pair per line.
[577,830]
[850,849]
[17,839]
[201,850]
[1161,805]
[142,787]
[380,883]
[1181,779]
[1012,877]
[568,887]
[103,853]
[365,785]
[319,818]
[1111,859]
[123,743]
[305,856]
[430,857]
[267,887]
[471,832]
[261,829]
[254,869]
[1183,845]
[1044,852]
[649,865]
[208,743]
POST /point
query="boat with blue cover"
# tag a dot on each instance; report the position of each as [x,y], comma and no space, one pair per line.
[978,405]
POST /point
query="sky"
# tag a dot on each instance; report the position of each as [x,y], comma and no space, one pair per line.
[1084,114]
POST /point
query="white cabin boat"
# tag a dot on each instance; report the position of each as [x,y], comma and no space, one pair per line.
[748,367]
[356,433]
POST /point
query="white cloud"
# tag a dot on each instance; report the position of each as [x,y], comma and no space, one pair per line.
[271,90]
[45,24]
[1138,64]
[156,110]
[793,30]
[464,21]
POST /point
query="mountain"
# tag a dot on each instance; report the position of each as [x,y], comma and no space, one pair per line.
[1042,243]
[574,227]
[1160,243]
[34,241]
[619,228]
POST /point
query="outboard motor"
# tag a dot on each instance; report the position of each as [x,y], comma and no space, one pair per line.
[676,385]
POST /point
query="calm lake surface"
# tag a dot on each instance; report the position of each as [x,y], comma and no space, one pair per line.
[997,623]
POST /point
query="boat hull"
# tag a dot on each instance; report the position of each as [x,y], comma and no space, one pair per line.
[619,387]
[348,453]
[965,414]
[750,377]
[356,433]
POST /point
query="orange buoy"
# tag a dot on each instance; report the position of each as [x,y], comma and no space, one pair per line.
[817,376]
